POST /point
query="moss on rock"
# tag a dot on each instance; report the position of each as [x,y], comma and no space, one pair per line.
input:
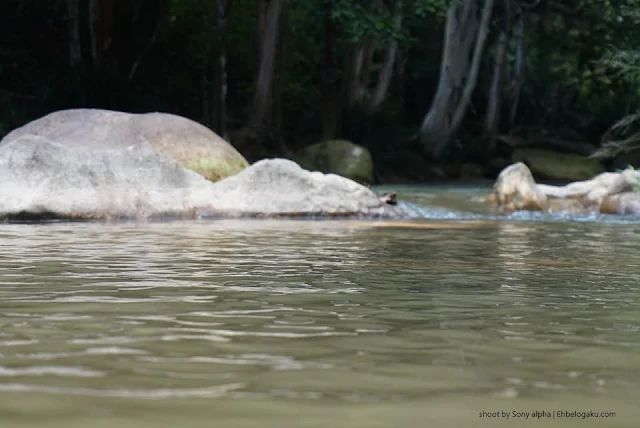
[215,169]
[553,165]
[339,157]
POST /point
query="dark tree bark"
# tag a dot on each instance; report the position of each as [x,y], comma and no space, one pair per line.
[263,100]
[360,59]
[363,89]
[220,96]
[386,72]
[262,6]
[517,79]
[94,32]
[75,49]
[146,23]
[492,119]
[331,105]
[279,90]
[112,34]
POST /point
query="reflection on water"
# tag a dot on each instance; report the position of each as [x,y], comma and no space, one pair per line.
[323,324]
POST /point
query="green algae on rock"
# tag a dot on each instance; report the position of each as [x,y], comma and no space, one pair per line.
[339,157]
[551,165]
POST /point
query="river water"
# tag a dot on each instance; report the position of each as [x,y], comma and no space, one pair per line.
[457,323]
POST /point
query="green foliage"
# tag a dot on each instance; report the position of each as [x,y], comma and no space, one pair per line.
[582,67]
[569,73]
[426,8]
[636,177]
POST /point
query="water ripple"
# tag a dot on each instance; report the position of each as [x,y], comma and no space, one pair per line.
[329,312]
[214,391]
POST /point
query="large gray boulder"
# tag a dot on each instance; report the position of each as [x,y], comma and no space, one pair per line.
[194,146]
[39,177]
[43,178]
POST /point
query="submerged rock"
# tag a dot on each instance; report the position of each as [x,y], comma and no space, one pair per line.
[194,146]
[558,166]
[516,190]
[339,157]
[43,178]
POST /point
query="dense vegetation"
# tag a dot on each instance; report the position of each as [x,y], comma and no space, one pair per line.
[413,80]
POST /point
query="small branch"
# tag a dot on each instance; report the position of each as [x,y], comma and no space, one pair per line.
[136,63]
[530,6]
[611,147]
[11,94]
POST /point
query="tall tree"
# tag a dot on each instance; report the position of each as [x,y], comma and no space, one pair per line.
[330,78]
[492,116]
[263,100]
[388,64]
[112,33]
[75,50]
[373,54]
[219,121]
[466,31]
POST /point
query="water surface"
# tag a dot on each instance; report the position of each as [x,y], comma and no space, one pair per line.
[320,324]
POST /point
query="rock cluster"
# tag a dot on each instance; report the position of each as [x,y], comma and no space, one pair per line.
[607,193]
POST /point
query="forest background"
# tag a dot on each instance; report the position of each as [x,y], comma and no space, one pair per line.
[420,83]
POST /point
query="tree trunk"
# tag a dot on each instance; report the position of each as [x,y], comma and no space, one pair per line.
[220,95]
[517,80]
[75,51]
[472,77]
[94,32]
[492,119]
[331,106]
[205,90]
[262,7]
[278,89]
[263,100]
[207,94]
[359,64]
[358,71]
[145,26]
[386,73]
[460,32]
[106,16]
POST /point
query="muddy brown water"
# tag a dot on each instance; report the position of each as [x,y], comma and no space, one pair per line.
[322,324]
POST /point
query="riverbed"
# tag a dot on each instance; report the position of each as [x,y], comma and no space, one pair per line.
[465,320]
